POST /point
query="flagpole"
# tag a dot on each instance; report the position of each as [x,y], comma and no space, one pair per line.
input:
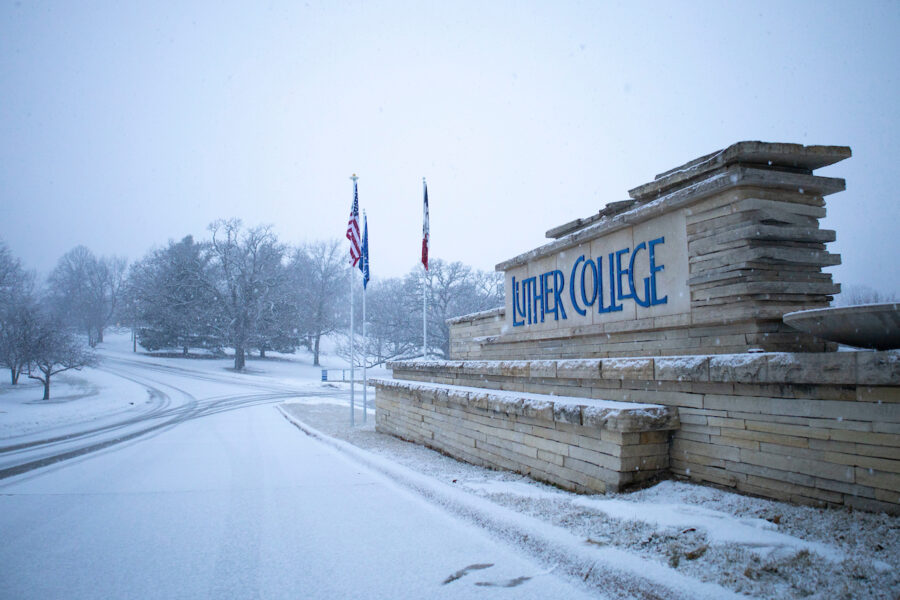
[424,313]
[352,390]
[364,344]
[424,293]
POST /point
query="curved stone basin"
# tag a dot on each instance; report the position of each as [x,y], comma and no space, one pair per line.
[864,326]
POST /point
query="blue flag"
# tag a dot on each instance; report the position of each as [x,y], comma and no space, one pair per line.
[364,253]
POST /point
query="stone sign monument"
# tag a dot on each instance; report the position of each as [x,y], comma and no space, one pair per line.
[647,340]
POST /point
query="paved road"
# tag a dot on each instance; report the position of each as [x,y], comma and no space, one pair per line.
[238,503]
[176,394]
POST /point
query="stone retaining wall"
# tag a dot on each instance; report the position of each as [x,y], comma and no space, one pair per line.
[581,445]
[818,428]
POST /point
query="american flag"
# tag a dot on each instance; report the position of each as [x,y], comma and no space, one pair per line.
[353,228]
[425,233]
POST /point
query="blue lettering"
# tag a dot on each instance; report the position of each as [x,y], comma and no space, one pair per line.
[613,307]
[535,298]
[528,291]
[620,271]
[646,300]
[515,303]
[578,309]
[559,283]
[596,281]
[654,270]
[539,298]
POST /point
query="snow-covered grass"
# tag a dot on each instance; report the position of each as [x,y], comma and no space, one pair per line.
[76,397]
[109,393]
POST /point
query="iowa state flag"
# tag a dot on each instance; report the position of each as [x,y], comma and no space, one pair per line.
[425,233]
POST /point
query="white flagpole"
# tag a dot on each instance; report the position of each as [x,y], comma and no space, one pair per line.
[352,361]
[365,346]
[424,313]
[424,290]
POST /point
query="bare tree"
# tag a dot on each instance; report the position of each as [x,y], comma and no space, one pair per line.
[52,349]
[392,331]
[456,289]
[853,294]
[10,270]
[16,332]
[319,274]
[86,290]
[395,310]
[246,266]
[17,305]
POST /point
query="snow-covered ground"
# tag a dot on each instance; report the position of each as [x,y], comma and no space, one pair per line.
[94,512]
[663,541]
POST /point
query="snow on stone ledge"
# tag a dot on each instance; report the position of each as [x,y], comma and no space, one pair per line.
[498,312]
[863,367]
[602,414]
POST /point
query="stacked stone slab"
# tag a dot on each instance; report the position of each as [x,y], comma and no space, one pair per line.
[755,247]
[754,250]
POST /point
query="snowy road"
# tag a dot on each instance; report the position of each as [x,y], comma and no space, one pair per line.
[216,495]
[169,402]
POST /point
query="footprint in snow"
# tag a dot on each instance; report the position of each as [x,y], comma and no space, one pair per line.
[508,583]
[465,571]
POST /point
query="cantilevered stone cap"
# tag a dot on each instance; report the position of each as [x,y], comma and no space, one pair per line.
[611,208]
[796,158]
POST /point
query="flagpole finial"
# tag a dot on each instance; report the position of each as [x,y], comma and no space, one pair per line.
[354,177]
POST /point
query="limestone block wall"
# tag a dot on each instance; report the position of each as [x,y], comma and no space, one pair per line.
[817,428]
[477,337]
[581,445]
[469,333]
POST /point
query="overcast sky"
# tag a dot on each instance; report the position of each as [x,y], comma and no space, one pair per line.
[126,124]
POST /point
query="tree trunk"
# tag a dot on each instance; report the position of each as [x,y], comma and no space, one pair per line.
[184,351]
[99,335]
[14,375]
[262,352]
[46,383]
[316,351]
[239,358]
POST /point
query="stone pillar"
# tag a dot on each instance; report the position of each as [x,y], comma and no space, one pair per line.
[755,247]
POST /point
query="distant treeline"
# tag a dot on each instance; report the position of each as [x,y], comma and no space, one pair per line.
[240,289]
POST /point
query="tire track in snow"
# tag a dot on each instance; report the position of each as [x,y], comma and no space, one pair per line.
[28,456]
